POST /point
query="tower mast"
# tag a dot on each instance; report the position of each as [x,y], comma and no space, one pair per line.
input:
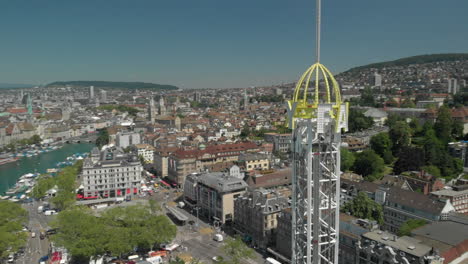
[317,115]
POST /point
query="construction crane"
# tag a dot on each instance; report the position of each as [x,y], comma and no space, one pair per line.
[317,116]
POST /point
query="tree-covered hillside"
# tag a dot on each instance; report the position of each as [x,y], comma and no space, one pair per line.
[415,60]
[115,85]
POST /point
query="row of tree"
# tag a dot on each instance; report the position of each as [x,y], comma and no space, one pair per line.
[121,108]
[115,232]
[65,182]
[36,139]
[12,218]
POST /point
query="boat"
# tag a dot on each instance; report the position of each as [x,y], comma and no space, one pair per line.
[8,160]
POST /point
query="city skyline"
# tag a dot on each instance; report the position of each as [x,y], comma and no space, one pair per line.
[215,45]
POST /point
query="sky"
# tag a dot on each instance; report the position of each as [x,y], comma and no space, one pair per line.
[216,43]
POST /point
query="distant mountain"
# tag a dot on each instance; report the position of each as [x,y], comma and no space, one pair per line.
[414,60]
[14,85]
[116,85]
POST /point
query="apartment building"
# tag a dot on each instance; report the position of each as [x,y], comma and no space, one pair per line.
[256,214]
[254,161]
[146,151]
[213,194]
[184,162]
[111,173]
[281,142]
[457,197]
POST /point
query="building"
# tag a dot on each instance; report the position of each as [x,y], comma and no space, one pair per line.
[161,160]
[351,230]
[91,92]
[146,151]
[378,116]
[254,161]
[284,233]
[377,80]
[380,247]
[126,139]
[457,197]
[184,162]
[256,212]
[459,150]
[213,194]
[281,142]
[111,173]
[103,96]
[449,238]
[452,86]
[401,205]
[269,179]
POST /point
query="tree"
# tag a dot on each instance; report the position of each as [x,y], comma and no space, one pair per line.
[409,159]
[400,134]
[369,165]
[443,124]
[367,97]
[12,218]
[364,207]
[236,250]
[408,226]
[36,139]
[347,159]
[103,138]
[358,121]
[433,170]
[407,103]
[382,145]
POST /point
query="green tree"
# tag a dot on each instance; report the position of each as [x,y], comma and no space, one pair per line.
[358,121]
[400,134]
[444,124]
[382,145]
[12,218]
[347,159]
[364,207]
[103,138]
[36,139]
[367,97]
[433,170]
[408,226]
[236,250]
[408,103]
[44,183]
[369,165]
[409,159]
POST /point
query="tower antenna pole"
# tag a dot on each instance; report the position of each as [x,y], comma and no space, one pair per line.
[317,31]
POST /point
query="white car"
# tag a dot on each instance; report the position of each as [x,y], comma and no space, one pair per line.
[11,258]
[33,235]
[217,258]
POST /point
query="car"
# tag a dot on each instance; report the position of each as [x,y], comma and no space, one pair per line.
[33,235]
[42,235]
[217,259]
[11,258]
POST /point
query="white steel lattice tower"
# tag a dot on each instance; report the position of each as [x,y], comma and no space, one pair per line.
[317,115]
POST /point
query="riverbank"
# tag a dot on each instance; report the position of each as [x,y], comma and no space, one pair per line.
[11,172]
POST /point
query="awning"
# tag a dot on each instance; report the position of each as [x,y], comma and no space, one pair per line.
[165,183]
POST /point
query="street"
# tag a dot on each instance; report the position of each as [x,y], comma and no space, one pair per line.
[35,247]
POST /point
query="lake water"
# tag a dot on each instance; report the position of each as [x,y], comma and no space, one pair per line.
[9,173]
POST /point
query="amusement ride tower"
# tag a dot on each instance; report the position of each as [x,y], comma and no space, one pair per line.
[317,116]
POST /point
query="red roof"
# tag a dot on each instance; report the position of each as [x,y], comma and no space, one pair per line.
[17,110]
[218,150]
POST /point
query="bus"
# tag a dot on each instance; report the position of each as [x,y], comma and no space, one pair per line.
[272,261]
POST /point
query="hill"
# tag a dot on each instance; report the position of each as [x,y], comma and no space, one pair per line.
[14,85]
[115,85]
[421,59]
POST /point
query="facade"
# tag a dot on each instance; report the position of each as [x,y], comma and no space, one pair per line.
[281,142]
[111,173]
[254,161]
[458,198]
[400,206]
[184,162]
[351,230]
[256,214]
[213,194]
[284,233]
[146,151]
[126,139]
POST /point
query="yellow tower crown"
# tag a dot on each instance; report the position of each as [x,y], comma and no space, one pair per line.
[317,86]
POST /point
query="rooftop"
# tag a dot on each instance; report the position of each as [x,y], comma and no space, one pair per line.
[406,244]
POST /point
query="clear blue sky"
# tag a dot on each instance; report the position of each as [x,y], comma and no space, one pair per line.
[215,43]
